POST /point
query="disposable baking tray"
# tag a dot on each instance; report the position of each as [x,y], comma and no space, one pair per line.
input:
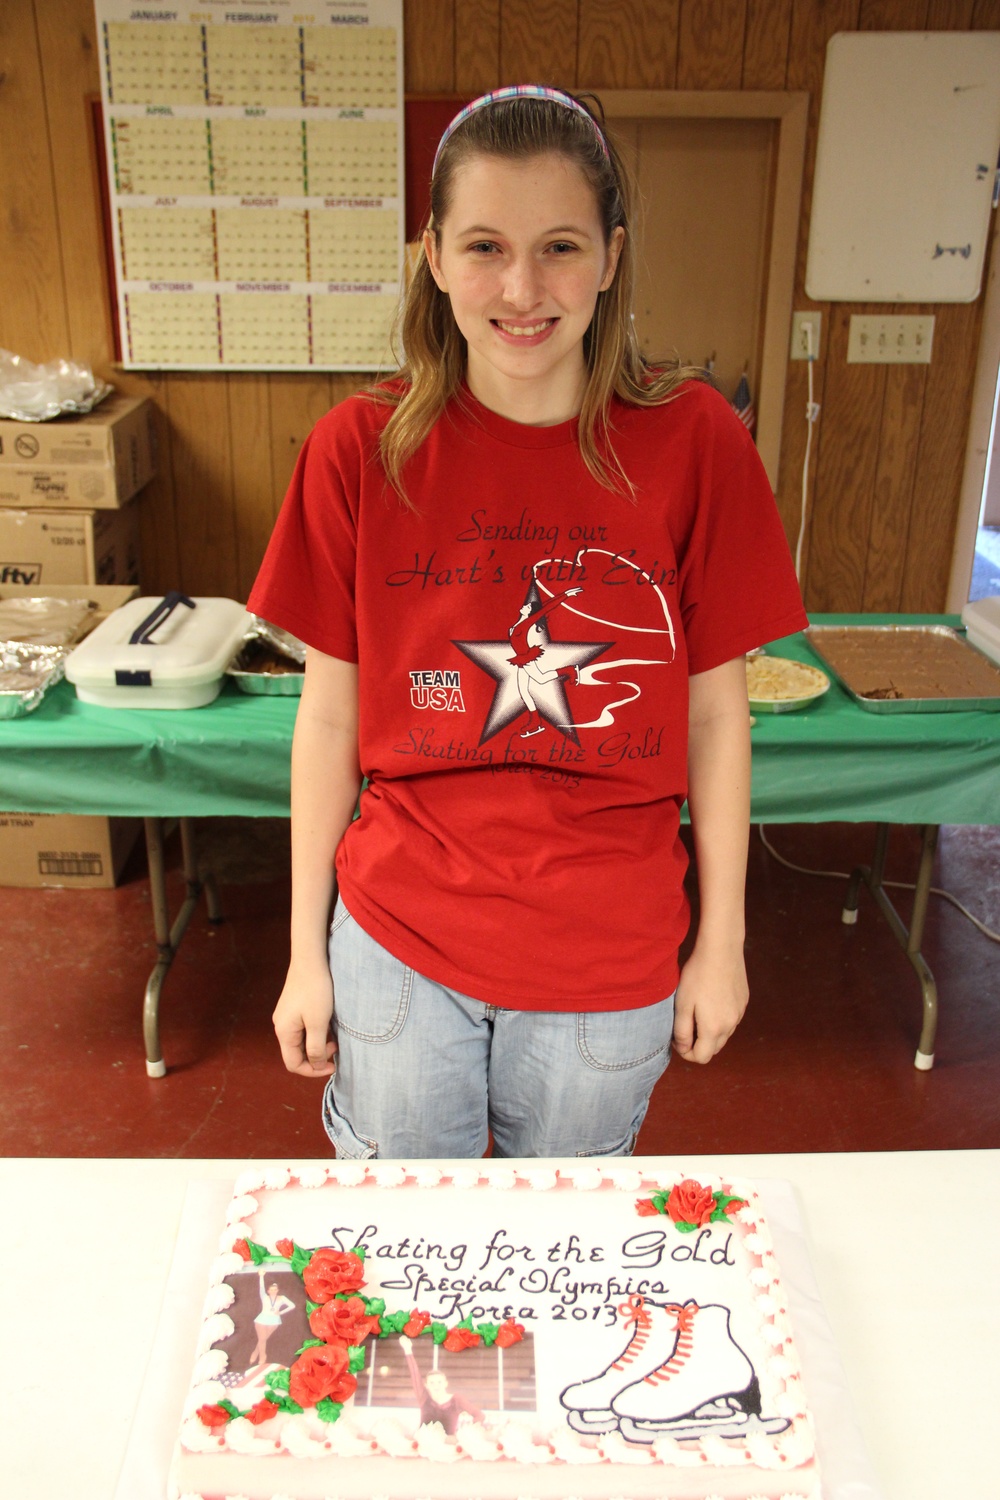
[26,674]
[262,636]
[938,671]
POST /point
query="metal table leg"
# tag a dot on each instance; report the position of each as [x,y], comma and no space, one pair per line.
[168,937]
[910,938]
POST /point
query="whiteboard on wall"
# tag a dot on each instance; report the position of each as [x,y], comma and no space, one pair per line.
[906,161]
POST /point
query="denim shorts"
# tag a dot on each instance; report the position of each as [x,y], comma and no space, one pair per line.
[423,1071]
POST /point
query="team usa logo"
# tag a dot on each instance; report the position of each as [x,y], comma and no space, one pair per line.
[440,690]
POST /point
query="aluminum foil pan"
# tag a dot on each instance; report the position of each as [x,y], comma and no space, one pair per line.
[270,663]
[44,621]
[897,669]
[26,673]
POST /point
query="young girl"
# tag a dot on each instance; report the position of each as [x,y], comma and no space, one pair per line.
[528,570]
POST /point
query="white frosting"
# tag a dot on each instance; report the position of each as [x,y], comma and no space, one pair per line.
[433,1443]
[248,1181]
[466,1177]
[210,1365]
[503,1179]
[586,1179]
[350,1173]
[427,1176]
[218,1298]
[226,1264]
[541,1178]
[243,1437]
[314,1177]
[627,1179]
[218,1326]
[613,1447]
[243,1207]
[518,1444]
[388,1174]
[276,1177]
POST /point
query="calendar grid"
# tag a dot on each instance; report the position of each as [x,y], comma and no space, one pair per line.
[256,175]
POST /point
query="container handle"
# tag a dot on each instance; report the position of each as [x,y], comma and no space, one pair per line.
[142,632]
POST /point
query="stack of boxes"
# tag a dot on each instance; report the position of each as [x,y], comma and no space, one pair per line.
[65,488]
[68,522]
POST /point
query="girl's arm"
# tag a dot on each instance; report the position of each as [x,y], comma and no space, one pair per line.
[712,993]
[326,780]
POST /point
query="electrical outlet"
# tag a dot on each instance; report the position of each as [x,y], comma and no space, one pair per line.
[904,340]
[806,329]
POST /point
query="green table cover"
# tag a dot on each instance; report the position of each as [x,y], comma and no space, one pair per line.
[831,762]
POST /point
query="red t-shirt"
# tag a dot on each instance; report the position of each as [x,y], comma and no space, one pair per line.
[526,753]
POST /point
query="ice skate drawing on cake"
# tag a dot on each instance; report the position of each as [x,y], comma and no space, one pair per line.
[681,1374]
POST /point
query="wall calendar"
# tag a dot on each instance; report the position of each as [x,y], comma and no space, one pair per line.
[255,169]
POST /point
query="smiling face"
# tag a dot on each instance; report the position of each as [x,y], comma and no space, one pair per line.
[522,258]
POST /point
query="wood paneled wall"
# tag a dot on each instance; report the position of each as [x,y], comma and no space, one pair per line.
[888,449]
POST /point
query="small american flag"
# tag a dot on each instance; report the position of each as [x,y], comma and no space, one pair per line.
[743,405]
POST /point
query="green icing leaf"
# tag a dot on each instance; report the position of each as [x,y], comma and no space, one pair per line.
[393,1322]
[300,1258]
[374,1306]
[356,1358]
[311,1307]
[659,1202]
[359,1251]
[280,1380]
[719,1217]
[258,1253]
[228,1406]
[488,1332]
[283,1402]
[327,1410]
[439,1332]
[310,1344]
[686,1228]
[465,1323]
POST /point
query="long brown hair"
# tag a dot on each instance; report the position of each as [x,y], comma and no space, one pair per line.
[434,351]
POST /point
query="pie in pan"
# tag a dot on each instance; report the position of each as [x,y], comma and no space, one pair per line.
[776,684]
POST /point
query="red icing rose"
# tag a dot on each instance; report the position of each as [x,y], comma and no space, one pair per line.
[461,1338]
[285,1248]
[242,1249]
[332,1271]
[646,1207]
[321,1371]
[262,1412]
[418,1321]
[510,1333]
[213,1416]
[344,1322]
[690,1203]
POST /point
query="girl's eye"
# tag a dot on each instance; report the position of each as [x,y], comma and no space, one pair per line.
[562,247]
[482,247]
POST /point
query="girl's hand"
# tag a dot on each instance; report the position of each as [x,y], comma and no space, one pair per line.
[712,995]
[302,1022]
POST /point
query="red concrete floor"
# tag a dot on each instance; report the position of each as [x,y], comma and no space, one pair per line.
[822,1062]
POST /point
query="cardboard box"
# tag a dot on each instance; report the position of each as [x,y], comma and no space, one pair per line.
[96,462]
[64,850]
[39,547]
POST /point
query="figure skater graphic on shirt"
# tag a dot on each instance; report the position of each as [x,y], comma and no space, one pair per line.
[529,645]
[273,1307]
[437,1402]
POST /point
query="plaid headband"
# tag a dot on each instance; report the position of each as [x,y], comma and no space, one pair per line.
[518,91]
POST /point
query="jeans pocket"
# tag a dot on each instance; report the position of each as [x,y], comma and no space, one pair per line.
[346,1142]
[614,1040]
[371,989]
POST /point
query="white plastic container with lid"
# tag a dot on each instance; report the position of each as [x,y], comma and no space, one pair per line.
[159,653]
[982,626]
